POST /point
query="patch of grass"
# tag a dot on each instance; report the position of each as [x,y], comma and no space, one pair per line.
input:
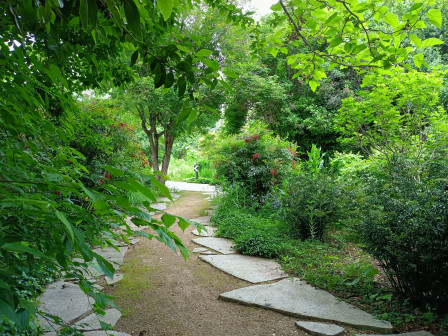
[135,281]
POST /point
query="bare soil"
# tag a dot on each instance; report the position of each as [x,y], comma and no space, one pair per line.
[162,294]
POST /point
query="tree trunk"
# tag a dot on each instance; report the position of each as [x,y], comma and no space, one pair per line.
[169,141]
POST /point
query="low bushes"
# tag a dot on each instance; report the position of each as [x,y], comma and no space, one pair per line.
[404,224]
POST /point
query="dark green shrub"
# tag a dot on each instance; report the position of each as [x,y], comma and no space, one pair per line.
[405,226]
[313,199]
[312,204]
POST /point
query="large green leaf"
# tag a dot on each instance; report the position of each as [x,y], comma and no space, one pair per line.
[132,17]
[435,17]
[162,188]
[67,224]
[391,19]
[165,7]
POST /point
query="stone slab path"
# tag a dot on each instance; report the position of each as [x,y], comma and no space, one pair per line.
[297,298]
[211,230]
[221,245]
[320,329]
[251,269]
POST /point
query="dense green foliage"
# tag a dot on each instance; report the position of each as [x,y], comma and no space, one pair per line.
[325,76]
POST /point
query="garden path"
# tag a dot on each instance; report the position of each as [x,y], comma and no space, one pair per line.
[161,294]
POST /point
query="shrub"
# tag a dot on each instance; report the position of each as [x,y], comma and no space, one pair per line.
[405,226]
[313,199]
[256,162]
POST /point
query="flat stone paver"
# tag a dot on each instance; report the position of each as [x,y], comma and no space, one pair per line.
[252,269]
[190,186]
[204,220]
[222,245]
[159,206]
[299,299]
[412,333]
[209,233]
[208,253]
[115,279]
[199,249]
[65,300]
[92,322]
[320,329]
[111,254]
[104,333]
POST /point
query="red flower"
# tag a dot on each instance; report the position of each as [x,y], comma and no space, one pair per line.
[108,175]
[256,137]
[247,139]
[273,172]
[58,193]
[101,181]
[255,157]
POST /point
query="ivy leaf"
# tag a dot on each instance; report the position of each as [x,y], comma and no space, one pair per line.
[391,19]
[435,17]
[418,59]
[165,7]
[132,17]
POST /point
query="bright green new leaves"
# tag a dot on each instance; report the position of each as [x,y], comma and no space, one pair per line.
[391,19]
[352,34]
[435,17]
[165,7]
[396,114]
[418,60]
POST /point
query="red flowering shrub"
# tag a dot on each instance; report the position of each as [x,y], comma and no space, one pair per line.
[254,162]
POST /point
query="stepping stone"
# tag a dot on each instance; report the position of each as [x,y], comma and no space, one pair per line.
[190,186]
[252,269]
[111,254]
[92,322]
[222,245]
[104,333]
[163,199]
[297,298]
[209,233]
[199,249]
[115,279]
[208,253]
[205,220]
[209,212]
[65,300]
[134,241]
[320,329]
[159,206]
[412,333]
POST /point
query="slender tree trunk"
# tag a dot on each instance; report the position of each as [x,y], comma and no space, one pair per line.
[169,141]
